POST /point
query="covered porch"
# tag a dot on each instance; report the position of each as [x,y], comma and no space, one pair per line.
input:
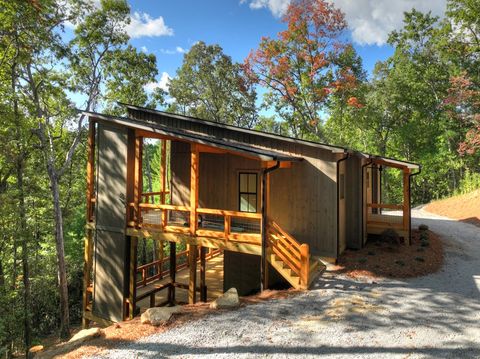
[378,215]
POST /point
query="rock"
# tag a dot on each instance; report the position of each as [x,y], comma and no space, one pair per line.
[33,351]
[159,315]
[86,334]
[229,300]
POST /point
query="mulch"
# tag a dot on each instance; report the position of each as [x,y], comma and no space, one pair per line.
[392,260]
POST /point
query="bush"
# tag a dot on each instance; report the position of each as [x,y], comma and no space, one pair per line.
[390,236]
[424,236]
[423,227]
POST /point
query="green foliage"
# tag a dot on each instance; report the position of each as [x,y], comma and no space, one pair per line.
[209,85]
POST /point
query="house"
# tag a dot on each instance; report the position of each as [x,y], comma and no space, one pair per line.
[275,206]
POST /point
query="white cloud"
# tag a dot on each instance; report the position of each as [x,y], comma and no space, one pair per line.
[144,49]
[163,83]
[142,24]
[177,50]
[370,21]
[277,7]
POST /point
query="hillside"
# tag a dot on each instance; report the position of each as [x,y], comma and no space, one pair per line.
[465,207]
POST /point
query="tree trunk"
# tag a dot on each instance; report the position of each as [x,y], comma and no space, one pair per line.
[26,272]
[59,242]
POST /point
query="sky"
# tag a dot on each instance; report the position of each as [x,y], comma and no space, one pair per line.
[169,28]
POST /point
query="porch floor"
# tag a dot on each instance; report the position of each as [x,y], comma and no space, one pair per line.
[214,281]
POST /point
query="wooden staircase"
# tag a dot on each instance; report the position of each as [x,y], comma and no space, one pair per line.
[291,259]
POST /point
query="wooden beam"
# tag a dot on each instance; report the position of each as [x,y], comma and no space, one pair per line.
[194,172]
[138,180]
[133,278]
[173,267]
[203,271]
[283,164]
[241,247]
[210,149]
[90,169]
[192,282]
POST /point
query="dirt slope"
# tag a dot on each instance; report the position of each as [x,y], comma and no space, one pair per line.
[465,208]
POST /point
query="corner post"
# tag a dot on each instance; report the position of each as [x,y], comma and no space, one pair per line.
[87,267]
[90,169]
[194,171]
[138,180]
[163,171]
[192,265]
[132,305]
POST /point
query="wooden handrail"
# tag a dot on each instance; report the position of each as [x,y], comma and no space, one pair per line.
[144,194]
[292,253]
[385,205]
[222,212]
[169,207]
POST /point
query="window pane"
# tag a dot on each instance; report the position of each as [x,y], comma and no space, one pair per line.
[252,183]
[243,182]
[253,203]
[244,202]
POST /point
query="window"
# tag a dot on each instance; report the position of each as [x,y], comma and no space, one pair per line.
[247,184]
[342,186]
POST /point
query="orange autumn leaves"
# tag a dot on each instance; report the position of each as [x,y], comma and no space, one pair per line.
[301,67]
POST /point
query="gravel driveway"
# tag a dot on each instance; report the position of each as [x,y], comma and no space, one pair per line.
[437,316]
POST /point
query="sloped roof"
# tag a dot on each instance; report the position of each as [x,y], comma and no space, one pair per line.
[262,154]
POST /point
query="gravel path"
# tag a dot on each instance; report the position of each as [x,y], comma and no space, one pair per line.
[437,316]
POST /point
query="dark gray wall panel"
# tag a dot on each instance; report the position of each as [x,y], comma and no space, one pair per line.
[110,242]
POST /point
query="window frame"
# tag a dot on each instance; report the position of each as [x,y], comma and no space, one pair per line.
[240,192]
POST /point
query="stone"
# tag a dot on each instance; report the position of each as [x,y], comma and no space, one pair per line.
[86,334]
[159,315]
[229,300]
[33,351]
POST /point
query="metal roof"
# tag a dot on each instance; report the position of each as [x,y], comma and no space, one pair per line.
[260,153]
[332,148]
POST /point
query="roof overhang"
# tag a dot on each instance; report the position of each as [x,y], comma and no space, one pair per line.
[163,131]
[391,162]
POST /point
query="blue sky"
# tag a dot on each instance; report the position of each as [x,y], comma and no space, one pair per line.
[169,28]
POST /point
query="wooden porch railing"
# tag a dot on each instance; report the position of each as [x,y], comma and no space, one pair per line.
[292,253]
[157,217]
[159,272]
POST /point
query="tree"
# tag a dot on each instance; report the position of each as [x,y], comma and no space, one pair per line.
[210,86]
[461,47]
[304,66]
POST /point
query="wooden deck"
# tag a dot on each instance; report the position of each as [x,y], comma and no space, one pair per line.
[377,223]
[214,280]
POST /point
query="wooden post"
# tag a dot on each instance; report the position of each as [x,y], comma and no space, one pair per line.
[192,283]
[160,258]
[267,210]
[406,203]
[203,271]
[173,269]
[305,264]
[90,169]
[163,171]
[138,180]
[194,170]
[87,267]
[133,277]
